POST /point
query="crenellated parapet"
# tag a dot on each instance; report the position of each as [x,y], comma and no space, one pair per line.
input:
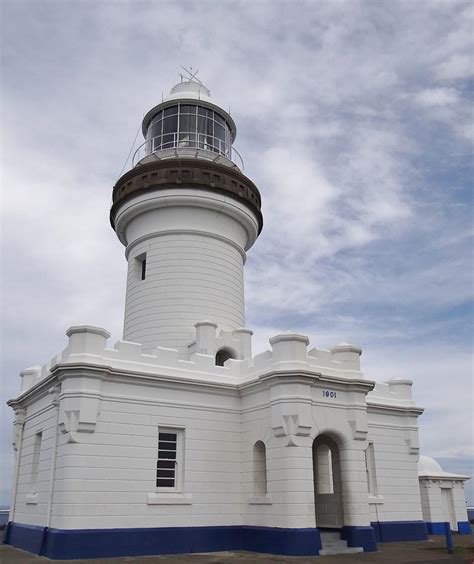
[289,356]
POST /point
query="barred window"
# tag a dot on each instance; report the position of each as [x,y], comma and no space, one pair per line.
[168,466]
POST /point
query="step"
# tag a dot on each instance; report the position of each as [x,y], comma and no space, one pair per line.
[332,543]
[347,550]
[330,534]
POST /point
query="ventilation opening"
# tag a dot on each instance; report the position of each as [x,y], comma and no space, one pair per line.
[222,356]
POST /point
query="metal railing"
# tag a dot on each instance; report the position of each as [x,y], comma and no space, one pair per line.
[187,140]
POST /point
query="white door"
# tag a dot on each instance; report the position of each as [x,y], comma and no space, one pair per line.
[447,505]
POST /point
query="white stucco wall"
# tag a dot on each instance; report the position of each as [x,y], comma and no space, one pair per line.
[31,504]
[112,401]
[188,278]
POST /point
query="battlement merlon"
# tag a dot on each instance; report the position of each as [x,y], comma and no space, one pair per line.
[289,355]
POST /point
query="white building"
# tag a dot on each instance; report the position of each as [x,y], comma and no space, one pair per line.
[177,439]
[442,498]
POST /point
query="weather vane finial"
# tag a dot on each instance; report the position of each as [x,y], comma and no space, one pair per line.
[190,75]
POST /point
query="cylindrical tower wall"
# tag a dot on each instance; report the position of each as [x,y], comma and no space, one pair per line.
[186,252]
[189,277]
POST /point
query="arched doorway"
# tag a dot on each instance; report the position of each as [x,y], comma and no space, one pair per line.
[327,483]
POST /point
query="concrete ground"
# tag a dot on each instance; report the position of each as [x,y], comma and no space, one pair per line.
[425,552]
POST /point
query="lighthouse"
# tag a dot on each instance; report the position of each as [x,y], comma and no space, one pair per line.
[187,215]
[177,438]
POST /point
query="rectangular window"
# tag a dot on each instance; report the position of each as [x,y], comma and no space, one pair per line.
[36,459]
[140,266]
[169,463]
[370,469]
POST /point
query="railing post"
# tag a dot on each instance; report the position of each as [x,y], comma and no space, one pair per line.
[449,538]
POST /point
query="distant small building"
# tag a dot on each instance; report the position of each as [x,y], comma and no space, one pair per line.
[177,438]
[442,498]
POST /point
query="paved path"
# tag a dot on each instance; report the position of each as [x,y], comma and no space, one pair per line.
[432,551]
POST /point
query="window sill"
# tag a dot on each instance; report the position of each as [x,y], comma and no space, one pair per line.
[376,499]
[260,500]
[172,498]
[31,499]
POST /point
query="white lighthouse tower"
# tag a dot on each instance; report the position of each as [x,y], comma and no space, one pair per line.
[186,215]
[177,439]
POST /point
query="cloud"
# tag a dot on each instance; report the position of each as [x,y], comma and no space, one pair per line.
[456,67]
[432,97]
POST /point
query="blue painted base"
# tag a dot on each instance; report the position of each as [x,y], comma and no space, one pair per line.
[464,528]
[360,536]
[392,531]
[26,537]
[290,542]
[435,528]
[60,544]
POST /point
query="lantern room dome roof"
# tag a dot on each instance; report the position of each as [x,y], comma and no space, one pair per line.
[189,90]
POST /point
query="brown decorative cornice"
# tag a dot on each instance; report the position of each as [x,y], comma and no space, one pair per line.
[181,172]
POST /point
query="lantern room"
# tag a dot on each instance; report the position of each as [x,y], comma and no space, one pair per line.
[187,123]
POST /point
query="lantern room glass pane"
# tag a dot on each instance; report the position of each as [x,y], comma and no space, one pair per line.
[185,109]
[170,124]
[170,111]
[168,141]
[188,125]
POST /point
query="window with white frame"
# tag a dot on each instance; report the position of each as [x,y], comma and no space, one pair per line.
[169,466]
[36,459]
[370,469]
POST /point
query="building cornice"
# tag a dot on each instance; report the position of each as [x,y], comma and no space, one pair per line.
[235,388]
[442,477]
[182,173]
[310,377]
[411,410]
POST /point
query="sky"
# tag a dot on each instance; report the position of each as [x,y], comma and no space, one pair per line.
[354,119]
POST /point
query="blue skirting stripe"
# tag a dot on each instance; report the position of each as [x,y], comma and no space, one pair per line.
[360,536]
[464,528]
[61,544]
[435,528]
[290,542]
[96,543]
[392,531]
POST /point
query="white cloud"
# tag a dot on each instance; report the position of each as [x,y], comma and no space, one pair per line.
[456,67]
[433,97]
